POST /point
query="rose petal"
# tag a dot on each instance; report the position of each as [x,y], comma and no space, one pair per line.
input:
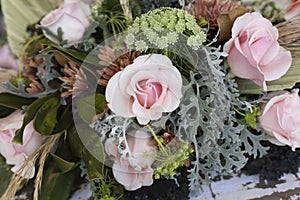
[279,66]
[117,102]
[242,22]
[260,46]
[77,8]
[267,121]
[146,177]
[242,45]
[111,148]
[241,67]
[126,176]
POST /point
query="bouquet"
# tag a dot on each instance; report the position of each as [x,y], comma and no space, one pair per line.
[121,94]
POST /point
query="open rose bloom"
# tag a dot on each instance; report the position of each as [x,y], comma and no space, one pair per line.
[254,52]
[145,89]
[16,154]
[281,118]
[133,171]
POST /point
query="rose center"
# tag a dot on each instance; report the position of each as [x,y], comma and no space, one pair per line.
[148,92]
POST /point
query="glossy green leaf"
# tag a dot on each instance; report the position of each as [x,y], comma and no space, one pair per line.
[74,142]
[285,82]
[93,153]
[65,121]
[71,52]
[90,30]
[14,101]
[45,119]
[62,164]
[56,185]
[91,105]
[5,175]
[29,116]
[18,14]
[94,167]
[4,111]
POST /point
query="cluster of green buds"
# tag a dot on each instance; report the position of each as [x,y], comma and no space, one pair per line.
[173,156]
[163,27]
[250,118]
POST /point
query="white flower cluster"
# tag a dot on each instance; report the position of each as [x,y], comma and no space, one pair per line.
[162,27]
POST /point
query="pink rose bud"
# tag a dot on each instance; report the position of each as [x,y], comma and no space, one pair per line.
[123,171]
[16,154]
[253,50]
[145,89]
[281,118]
[72,20]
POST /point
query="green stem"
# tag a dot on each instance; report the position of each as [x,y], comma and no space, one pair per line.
[156,138]
[238,112]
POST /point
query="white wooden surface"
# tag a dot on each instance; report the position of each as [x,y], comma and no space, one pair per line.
[236,188]
[248,187]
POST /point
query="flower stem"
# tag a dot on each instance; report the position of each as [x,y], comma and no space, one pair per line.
[160,145]
[238,112]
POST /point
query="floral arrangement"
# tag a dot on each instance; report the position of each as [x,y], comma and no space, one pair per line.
[120,94]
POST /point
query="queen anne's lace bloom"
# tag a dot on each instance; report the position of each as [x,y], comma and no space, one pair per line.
[159,29]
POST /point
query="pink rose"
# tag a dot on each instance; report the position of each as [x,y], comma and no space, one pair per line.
[281,118]
[142,155]
[254,52]
[145,89]
[16,154]
[71,18]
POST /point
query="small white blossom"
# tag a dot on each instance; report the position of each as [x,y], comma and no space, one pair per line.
[141,45]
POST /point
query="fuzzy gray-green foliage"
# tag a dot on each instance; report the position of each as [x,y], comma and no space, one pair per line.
[221,141]
[207,118]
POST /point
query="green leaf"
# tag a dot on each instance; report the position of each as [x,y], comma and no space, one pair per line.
[94,167]
[248,87]
[62,164]
[65,121]
[29,116]
[18,14]
[91,105]
[5,175]
[4,111]
[14,101]
[72,54]
[93,153]
[74,142]
[56,185]
[287,81]
[90,30]
[45,119]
